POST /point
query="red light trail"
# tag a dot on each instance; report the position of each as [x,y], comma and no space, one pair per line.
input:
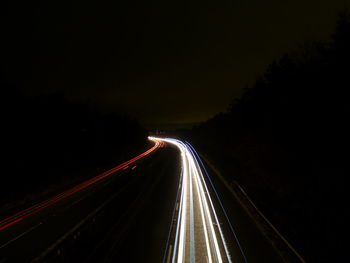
[7,222]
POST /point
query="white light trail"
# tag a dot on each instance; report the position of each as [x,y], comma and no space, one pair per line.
[198,237]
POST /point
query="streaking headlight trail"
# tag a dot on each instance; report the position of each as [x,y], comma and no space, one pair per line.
[198,234]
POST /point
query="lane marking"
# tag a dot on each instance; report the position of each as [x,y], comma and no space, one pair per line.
[19,236]
[222,207]
[180,212]
[212,206]
[185,236]
[205,210]
[173,220]
[203,222]
[192,240]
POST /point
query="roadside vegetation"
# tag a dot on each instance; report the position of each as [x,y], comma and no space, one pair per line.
[286,141]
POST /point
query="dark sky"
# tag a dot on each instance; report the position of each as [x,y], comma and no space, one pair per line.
[164,62]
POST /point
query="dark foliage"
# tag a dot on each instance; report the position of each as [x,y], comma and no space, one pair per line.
[287,142]
[51,143]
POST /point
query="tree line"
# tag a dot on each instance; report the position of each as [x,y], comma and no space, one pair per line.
[286,140]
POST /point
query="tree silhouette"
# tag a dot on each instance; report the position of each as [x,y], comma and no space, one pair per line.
[286,140]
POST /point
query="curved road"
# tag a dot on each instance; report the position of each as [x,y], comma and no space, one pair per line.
[160,206]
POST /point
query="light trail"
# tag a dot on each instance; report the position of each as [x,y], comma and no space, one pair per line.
[10,221]
[198,234]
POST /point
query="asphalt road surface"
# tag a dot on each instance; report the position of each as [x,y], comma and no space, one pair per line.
[161,206]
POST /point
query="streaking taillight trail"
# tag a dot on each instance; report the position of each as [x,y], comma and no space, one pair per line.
[10,221]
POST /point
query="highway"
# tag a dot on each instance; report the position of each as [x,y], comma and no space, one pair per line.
[198,234]
[161,206]
[207,227]
[34,232]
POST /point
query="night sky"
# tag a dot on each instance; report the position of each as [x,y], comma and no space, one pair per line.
[168,63]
